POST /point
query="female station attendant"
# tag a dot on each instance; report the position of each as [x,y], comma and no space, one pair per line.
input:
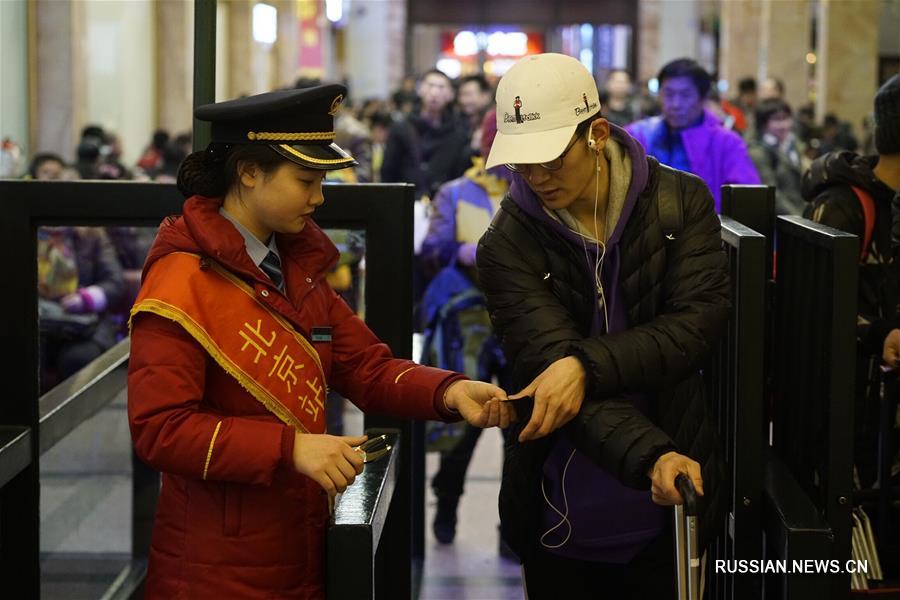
[235,339]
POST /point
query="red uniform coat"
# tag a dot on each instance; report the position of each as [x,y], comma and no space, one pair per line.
[254,527]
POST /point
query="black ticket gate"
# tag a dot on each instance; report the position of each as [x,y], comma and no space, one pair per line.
[30,425]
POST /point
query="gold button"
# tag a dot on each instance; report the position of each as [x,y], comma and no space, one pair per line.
[308,280]
[265,293]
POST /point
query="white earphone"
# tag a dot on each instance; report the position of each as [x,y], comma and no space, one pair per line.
[598,283]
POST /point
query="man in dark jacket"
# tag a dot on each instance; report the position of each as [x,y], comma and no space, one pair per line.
[607,324]
[430,146]
[838,186]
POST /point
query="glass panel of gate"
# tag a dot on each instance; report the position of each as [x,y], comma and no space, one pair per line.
[86,506]
[88,278]
[348,279]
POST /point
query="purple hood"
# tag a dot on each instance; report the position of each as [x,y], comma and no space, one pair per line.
[621,209]
[531,204]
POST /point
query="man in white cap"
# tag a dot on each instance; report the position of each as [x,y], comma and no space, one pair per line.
[608,288]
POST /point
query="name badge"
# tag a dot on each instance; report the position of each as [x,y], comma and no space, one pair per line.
[320,334]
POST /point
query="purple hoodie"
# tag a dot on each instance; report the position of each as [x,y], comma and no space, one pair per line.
[717,156]
[609,522]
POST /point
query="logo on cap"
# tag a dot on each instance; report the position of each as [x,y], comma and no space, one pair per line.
[519,116]
[588,107]
[336,104]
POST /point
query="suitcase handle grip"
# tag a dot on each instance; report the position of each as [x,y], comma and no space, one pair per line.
[688,493]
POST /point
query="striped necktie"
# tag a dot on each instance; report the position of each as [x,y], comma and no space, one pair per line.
[271,266]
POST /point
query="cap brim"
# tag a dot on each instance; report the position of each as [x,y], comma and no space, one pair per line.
[529,148]
[316,156]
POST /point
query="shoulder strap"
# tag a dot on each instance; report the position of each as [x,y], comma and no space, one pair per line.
[669,203]
[868,208]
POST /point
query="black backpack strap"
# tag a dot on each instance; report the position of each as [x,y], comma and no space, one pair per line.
[669,203]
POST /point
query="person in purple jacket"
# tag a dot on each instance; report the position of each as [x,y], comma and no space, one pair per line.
[690,138]
[607,318]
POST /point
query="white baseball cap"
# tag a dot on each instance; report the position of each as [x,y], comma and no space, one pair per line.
[540,102]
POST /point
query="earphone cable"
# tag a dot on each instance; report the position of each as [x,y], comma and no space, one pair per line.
[564,516]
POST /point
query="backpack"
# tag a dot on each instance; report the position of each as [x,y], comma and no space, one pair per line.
[669,203]
[458,336]
[868,207]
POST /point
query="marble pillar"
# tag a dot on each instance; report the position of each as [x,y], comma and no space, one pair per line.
[374,48]
[175,64]
[60,90]
[739,40]
[14,73]
[648,39]
[667,30]
[847,59]
[679,34]
[785,40]
[251,64]
[396,33]
[287,45]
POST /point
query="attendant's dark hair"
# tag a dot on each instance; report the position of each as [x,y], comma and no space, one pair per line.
[212,172]
[687,67]
[768,109]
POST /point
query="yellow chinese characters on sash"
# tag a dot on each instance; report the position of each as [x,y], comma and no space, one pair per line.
[253,344]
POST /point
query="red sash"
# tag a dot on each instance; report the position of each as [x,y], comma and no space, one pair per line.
[255,345]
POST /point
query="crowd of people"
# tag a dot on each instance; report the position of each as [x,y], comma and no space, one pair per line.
[428,131]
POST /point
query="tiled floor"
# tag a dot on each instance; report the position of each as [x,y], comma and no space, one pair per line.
[471,568]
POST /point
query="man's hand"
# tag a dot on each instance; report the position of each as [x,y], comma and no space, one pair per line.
[663,474]
[328,460]
[891,353]
[480,403]
[558,393]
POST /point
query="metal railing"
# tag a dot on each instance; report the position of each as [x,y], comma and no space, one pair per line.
[814,367]
[735,381]
[362,517]
[794,530]
[753,206]
[809,365]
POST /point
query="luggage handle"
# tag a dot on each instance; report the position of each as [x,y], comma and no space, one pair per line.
[687,550]
[688,492]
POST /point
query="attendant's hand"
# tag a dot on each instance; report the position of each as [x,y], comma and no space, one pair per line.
[558,393]
[328,460]
[891,352]
[479,403]
[662,478]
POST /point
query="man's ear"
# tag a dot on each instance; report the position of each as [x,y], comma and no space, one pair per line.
[599,132]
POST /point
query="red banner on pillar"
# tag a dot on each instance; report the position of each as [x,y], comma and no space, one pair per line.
[311,55]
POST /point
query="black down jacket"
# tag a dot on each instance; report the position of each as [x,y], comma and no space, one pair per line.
[677,298]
